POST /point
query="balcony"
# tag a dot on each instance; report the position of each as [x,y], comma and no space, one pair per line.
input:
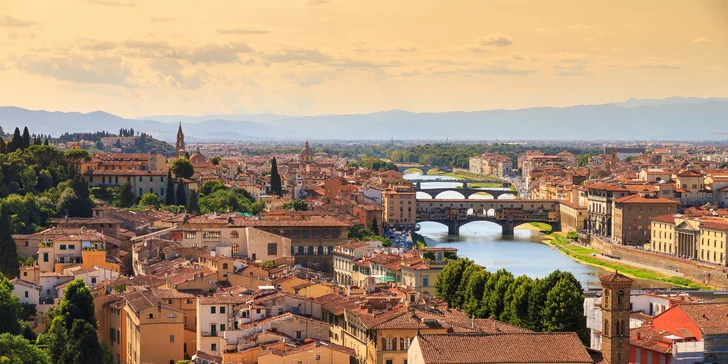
[209,333]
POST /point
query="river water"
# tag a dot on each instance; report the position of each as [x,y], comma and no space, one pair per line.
[522,253]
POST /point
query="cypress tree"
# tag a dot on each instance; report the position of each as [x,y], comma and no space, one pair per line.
[26,138]
[46,142]
[375,225]
[169,196]
[9,265]
[3,149]
[16,143]
[126,195]
[181,194]
[193,206]
[275,179]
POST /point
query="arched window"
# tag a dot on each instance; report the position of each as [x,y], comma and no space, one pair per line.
[310,250]
[235,249]
[619,327]
[300,250]
[606,298]
[234,234]
[293,250]
[224,266]
[321,250]
[620,297]
[606,328]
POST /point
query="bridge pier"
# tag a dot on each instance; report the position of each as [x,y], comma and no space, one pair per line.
[508,227]
[453,227]
[465,185]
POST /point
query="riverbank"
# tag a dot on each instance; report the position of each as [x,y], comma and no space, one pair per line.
[590,256]
[463,175]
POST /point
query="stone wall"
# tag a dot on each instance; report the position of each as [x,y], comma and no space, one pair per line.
[710,275]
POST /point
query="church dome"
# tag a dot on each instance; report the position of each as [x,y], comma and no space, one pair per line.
[197,157]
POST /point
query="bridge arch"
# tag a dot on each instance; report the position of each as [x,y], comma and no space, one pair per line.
[413,170]
[507,196]
[439,193]
[481,195]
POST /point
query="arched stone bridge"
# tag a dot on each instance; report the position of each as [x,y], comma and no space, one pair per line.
[403,167]
[467,192]
[506,213]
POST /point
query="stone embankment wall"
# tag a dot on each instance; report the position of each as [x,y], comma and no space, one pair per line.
[710,275]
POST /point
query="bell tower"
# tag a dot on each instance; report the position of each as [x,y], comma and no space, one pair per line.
[615,317]
[180,146]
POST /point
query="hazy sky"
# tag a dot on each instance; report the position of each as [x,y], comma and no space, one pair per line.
[143,57]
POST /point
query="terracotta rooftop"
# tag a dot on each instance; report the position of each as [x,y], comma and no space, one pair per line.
[637,199]
[711,318]
[503,348]
[615,277]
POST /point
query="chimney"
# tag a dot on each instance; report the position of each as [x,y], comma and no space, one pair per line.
[638,336]
[472,322]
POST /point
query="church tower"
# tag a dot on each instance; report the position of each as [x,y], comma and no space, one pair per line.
[615,318]
[306,154]
[180,146]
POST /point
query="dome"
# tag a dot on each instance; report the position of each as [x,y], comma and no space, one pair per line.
[197,157]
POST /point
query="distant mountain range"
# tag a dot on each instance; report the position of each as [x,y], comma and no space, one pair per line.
[674,118]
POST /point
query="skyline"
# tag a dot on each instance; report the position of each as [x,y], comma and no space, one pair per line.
[135,59]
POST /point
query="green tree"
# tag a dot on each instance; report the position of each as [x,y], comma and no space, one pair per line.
[150,199]
[28,179]
[182,168]
[462,298]
[181,194]
[539,293]
[15,349]
[72,205]
[515,309]
[210,187]
[563,310]
[297,205]
[496,288]
[126,195]
[193,206]
[3,147]
[375,225]
[80,186]
[474,292]
[215,160]
[17,141]
[10,308]
[26,138]
[72,334]
[9,265]
[448,281]
[275,179]
[118,143]
[169,196]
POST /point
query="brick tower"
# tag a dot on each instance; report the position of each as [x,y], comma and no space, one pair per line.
[615,318]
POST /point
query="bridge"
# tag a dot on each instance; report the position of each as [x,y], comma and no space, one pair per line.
[403,167]
[465,182]
[506,213]
[467,192]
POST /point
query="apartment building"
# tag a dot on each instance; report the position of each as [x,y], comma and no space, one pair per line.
[632,215]
[154,330]
[400,206]
[700,238]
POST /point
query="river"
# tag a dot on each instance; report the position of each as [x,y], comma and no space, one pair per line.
[522,253]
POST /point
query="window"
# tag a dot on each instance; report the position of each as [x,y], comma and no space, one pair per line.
[211,234]
[222,327]
[272,248]
[620,297]
[93,280]
[171,338]
[335,234]
[213,347]
[26,294]
[213,310]
[63,247]
[235,249]
[190,234]
[298,334]
[224,266]
[222,309]
[140,189]
[45,257]
[151,315]
[71,246]
[305,234]
[326,234]
[151,190]
[389,361]
[425,281]
[234,234]
[296,234]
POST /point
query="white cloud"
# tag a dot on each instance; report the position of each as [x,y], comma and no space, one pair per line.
[494,40]
[80,69]
[10,22]
[243,31]
[702,40]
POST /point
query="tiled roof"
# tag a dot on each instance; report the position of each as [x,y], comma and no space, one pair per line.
[616,277]
[637,199]
[650,338]
[711,318]
[714,225]
[503,348]
[689,174]
[670,219]
[333,303]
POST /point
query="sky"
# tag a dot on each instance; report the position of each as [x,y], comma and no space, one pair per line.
[136,58]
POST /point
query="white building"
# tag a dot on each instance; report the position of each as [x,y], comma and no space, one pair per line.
[28,292]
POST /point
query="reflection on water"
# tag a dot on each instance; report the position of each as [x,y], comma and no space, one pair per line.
[522,253]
